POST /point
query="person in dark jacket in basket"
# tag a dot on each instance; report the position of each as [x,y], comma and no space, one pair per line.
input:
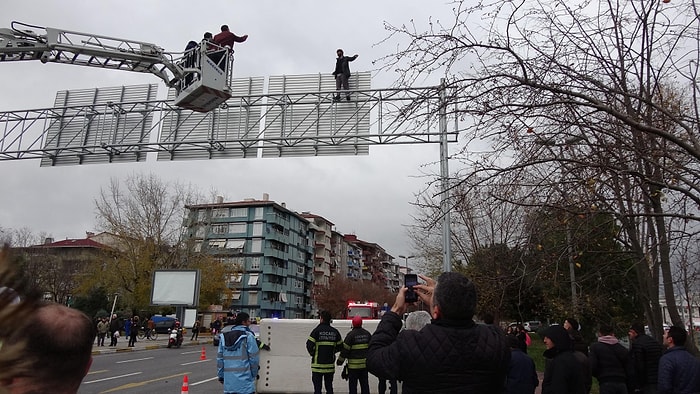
[609,362]
[323,343]
[453,354]
[645,353]
[563,372]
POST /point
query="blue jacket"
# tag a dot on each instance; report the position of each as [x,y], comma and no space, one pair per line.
[238,360]
[679,372]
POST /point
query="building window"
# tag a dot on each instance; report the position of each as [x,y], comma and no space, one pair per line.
[300,270]
[237,244]
[239,212]
[255,263]
[252,299]
[219,229]
[197,247]
[237,228]
[237,277]
[220,213]
[253,280]
[201,215]
[257,229]
[236,295]
[283,297]
[200,232]
[256,246]
[258,213]
[217,243]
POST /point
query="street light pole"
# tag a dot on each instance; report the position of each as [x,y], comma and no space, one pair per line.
[406,260]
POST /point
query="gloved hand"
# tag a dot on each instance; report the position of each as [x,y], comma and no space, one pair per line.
[221,380]
[340,361]
[266,347]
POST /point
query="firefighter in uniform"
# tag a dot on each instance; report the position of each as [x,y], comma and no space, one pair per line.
[323,343]
[355,351]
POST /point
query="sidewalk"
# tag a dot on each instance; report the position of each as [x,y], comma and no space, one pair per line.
[147,344]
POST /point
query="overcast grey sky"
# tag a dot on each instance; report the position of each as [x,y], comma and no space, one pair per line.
[366,195]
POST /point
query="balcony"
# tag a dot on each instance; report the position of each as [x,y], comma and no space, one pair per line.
[273,287]
[268,252]
[274,270]
[273,305]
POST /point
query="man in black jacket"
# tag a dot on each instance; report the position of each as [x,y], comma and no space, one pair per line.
[645,353]
[342,73]
[451,355]
[609,362]
[323,343]
[563,371]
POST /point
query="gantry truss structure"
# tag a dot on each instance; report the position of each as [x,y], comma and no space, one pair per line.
[283,116]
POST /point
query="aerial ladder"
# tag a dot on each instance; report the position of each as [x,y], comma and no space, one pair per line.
[201,76]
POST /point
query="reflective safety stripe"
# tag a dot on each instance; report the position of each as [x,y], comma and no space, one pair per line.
[359,363]
[244,369]
[241,357]
[360,346]
[325,368]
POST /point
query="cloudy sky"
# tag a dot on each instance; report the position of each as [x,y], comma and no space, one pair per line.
[366,195]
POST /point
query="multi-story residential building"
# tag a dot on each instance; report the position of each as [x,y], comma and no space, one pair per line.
[339,253]
[353,260]
[268,246]
[325,262]
[377,265]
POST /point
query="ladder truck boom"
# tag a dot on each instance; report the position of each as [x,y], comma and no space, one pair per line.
[201,77]
[47,44]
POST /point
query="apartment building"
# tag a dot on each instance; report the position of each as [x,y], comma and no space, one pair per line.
[270,248]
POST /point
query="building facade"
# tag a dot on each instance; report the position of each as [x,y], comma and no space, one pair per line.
[268,247]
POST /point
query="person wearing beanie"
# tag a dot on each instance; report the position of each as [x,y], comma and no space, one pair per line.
[645,353]
[563,372]
[452,354]
[355,351]
[609,362]
[573,327]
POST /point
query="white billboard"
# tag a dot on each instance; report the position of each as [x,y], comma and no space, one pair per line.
[175,287]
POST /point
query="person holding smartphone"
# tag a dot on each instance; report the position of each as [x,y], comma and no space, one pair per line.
[452,354]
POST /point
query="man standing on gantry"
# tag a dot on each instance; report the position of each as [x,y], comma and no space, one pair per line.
[342,73]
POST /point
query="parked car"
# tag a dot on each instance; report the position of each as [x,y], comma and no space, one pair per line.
[163,323]
[254,327]
[532,325]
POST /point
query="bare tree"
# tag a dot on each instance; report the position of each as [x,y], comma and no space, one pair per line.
[145,215]
[573,100]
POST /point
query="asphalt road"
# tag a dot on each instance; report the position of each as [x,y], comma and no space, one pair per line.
[153,371]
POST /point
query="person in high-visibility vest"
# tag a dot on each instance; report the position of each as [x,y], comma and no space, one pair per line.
[323,343]
[355,351]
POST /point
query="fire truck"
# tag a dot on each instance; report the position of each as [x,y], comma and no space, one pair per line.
[366,310]
[201,77]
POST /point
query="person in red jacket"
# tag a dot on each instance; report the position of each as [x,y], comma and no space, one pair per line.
[225,39]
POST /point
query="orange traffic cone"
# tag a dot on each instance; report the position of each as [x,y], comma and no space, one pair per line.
[185,386]
[203,356]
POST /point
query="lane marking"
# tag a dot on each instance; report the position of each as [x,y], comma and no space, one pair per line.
[204,381]
[194,352]
[111,378]
[195,362]
[136,359]
[145,382]
[101,371]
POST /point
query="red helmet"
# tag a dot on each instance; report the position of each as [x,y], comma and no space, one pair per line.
[356,321]
[177,324]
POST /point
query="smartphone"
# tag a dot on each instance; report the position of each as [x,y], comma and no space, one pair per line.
[411,280]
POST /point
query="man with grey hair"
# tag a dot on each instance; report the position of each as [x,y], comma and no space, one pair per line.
[417,320]
[453,354]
